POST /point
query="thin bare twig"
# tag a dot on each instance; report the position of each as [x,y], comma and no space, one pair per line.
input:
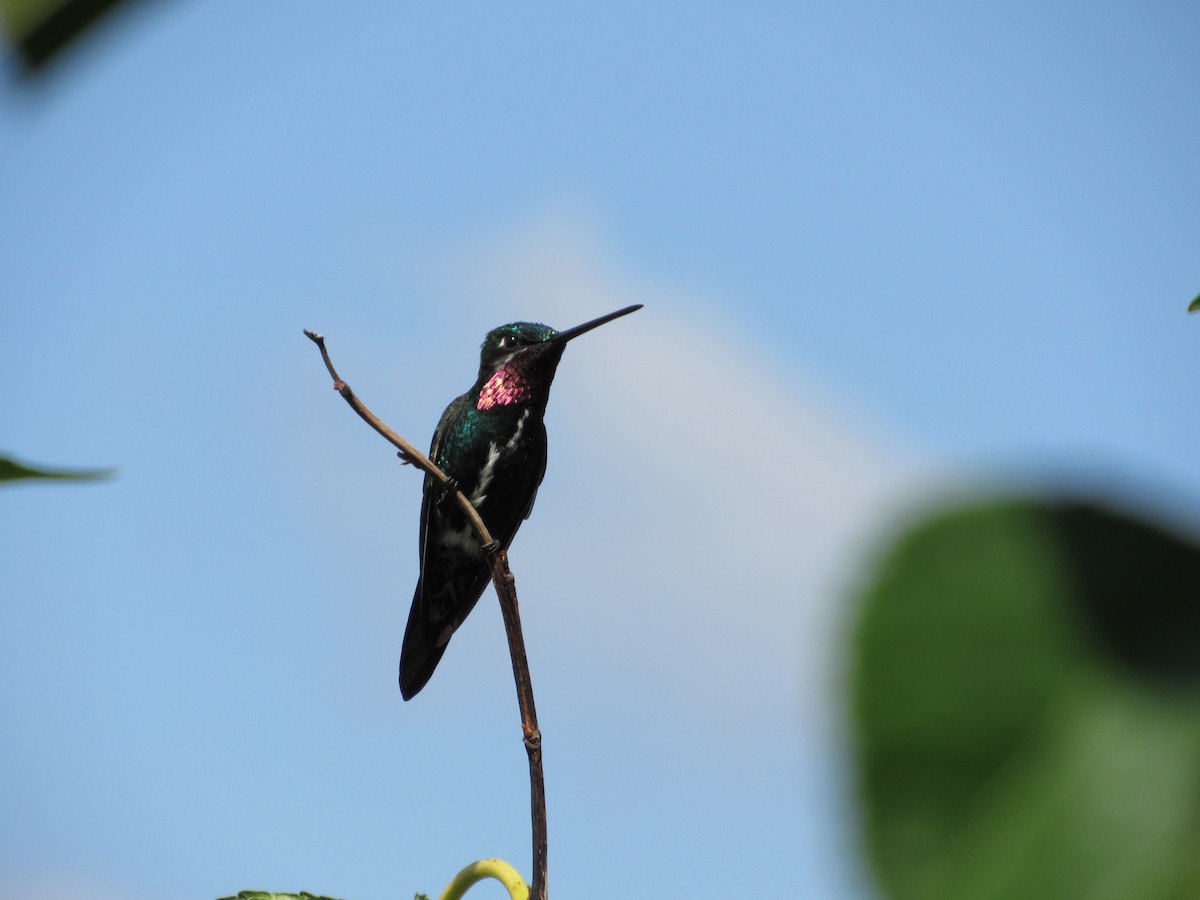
[506,591]
[408,452]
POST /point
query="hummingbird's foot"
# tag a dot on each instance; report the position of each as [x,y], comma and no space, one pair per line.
[405,459]
[446,491]
[489,548]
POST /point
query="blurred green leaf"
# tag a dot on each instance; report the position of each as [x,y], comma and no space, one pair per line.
[20,16]
[1026,708]
[11,470]
[1194,305]
[271,895]
[40,30]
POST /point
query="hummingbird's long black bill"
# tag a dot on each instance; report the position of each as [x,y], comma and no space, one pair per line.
[563,336]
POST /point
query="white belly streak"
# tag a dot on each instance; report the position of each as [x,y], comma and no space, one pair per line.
[512,441]
[464,538]
[485,476]
[489,465]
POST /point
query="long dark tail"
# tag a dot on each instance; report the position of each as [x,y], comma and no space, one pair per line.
[420,652]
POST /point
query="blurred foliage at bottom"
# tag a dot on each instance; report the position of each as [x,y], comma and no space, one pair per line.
[1026,701]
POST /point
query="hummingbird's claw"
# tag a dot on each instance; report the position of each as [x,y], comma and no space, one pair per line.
[489,548]
[446,491]
[405,459]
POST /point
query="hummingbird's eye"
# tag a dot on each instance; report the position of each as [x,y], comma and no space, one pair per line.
[509,342]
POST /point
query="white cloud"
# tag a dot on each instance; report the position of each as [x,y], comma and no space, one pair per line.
[737,498]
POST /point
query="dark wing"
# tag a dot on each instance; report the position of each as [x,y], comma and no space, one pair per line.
[446,592]
[452,578]
[539,447]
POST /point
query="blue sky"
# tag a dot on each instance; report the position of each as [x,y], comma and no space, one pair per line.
[883,249]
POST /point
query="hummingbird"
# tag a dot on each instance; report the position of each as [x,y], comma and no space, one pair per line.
[491,443]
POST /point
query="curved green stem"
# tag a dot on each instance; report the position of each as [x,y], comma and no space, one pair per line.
[487,868]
